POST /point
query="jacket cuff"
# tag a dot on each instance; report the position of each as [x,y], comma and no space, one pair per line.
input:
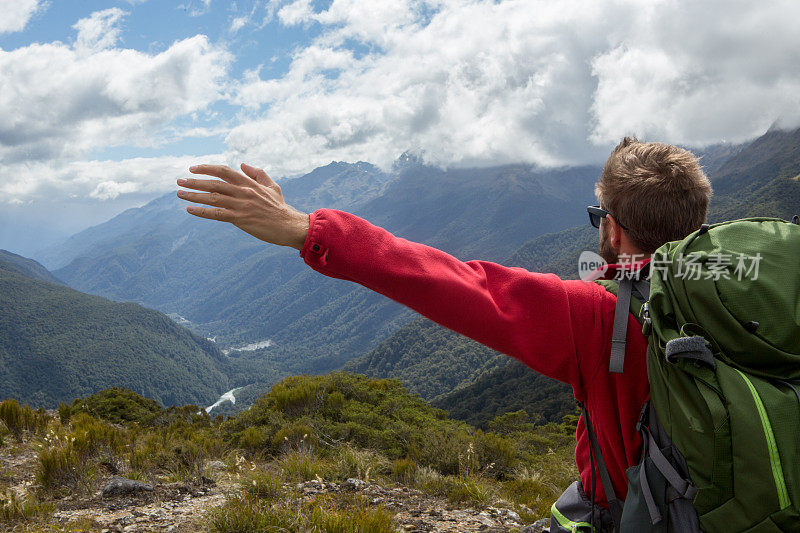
[314,251]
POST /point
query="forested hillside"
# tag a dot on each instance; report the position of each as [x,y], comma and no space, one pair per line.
[57,344]
[429,359]
[510,387]
[27,267]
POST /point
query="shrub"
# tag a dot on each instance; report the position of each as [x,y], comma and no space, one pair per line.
[177,451]
[512,422]
[61,465]
[254,439]
[358,463]
[357,519]
[118,405]
[91,436]
[303,466]
[341,516]
[404,470]
[297,436]
[64,413]
[16,509]
[243,515]
[11,415]
[18,418]
[472,490]
[494,455]
[262,485]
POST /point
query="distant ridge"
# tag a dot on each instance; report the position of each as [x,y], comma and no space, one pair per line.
[27,267]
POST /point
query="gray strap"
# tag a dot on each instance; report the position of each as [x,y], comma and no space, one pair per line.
[642,288]
[652,508]
[614,503]
[690,348]
[620,332]
[681,511]
[684,487]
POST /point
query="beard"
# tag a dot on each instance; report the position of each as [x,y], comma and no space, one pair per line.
[606,251]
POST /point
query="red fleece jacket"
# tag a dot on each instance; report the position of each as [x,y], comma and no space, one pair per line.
[560,328]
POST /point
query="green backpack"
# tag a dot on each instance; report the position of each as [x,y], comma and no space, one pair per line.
[721,432]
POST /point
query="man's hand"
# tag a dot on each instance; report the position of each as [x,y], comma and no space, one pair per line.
[251,201]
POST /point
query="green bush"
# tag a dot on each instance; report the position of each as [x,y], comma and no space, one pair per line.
[262,485]
[304,466]
[118,405]
[176,451]
[90,435]
[297,436]
[64,413]
[245,515]
[356,519]
[358,463]
[342,515]
[459,489]
[21,418]
[61,466]
[404,470]
[11,415]
[254,439]
[16,509]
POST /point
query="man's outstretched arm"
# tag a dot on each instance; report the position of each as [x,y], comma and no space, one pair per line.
[527,315]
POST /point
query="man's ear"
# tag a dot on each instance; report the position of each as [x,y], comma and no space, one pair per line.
[614,232]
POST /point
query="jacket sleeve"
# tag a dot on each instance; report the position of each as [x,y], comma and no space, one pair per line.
[530,316]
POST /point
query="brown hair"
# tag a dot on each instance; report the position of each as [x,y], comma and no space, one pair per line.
[656,190]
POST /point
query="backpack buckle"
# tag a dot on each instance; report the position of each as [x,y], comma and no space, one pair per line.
[647,324]
[642,422]
[646,312]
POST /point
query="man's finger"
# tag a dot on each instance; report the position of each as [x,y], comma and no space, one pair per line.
[222,172]
[211,198]
[210,186]
[258,174]
[212,213]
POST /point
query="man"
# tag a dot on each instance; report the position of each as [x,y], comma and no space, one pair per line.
[650,193]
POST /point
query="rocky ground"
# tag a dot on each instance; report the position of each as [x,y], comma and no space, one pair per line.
[129,506]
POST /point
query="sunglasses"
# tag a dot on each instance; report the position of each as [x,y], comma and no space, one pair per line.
[596,214]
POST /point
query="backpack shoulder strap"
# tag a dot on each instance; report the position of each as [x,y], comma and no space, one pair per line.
[626,303]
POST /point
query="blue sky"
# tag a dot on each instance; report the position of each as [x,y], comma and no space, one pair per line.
[104,104]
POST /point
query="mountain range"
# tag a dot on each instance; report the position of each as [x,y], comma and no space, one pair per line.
[273,316]
[228,286]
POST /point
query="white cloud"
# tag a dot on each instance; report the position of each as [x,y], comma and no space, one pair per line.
[108,190]
[238,23]
[486,82]
[59,102]
[98,179]
[467,82]
[17,13]
[296,12]
[262,12]
[699,72]
[99,31]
